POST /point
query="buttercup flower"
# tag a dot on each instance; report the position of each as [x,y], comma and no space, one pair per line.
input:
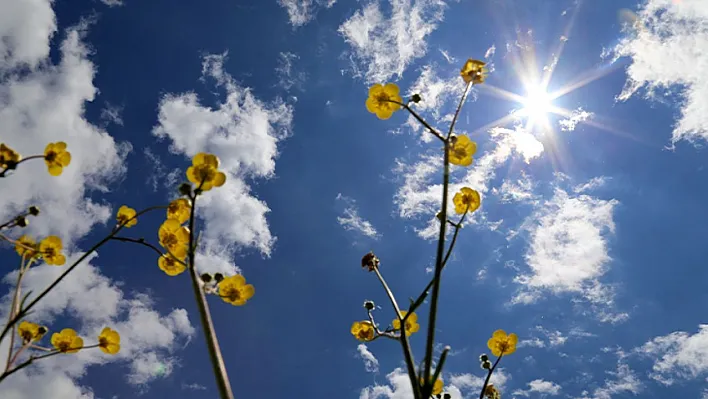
[8,156]
[204,171]
[437,386]
[170,265]
[126,216]
[491,392]
[23,244]
[235,291]
[67,341]
[412,325]
[109,341]
[466,200]
[51,248]
[363,330]
[474,71]
[56,157]
[500,343]
[461,151]
[179,210]
[380,97]
[174,237]
[30,332]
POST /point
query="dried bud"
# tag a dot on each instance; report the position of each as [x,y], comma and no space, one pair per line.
[483,357]
[416,98]
[370,261]
[185,189]
[33,210]
[218,277]
[21,221]
[206,277]
[369,305]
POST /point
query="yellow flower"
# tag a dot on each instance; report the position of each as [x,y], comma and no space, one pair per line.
[437,386]
[500,343]
[126,216]
[412,325]
[474,71]
[109,341]
[467,200]
[179,209]
[51,248]
[235,291]
[8,156]
[21,247]
[174,237]
[491,392]
[363,330]
[170,265]
[461,151]
[204,171]
[56,157]
[30,331]
[380,97]
[67,341]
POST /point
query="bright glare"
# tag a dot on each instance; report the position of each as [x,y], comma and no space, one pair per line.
[537,103]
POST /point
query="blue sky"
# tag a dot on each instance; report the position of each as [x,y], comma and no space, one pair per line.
[588,243]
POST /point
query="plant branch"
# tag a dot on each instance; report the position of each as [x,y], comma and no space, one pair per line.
[489,375]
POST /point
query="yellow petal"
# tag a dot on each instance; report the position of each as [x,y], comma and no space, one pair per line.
[219,179]
[55,170]
[499,334]
[60,146]
[248,291]
[199,158]
[384,114]
[391,89]
[375,90]
[64,158]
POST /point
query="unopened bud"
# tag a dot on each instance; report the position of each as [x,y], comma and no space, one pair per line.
[42,330]
[447,396]
[21,221]
[483,357]
[206,277]
[33,210]
[185,189]
[369,305]
[416,98]
[370,261]
[218,277]
[487,365]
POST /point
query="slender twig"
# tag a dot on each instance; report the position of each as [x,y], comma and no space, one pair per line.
[379,333]
[217,360]
[5,170]
[14,309]
[34,358]
[73,266]
[440,250]
[407,352]
[441,363]
[142,241]
[489,375]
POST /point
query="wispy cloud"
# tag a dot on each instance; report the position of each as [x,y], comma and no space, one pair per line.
[665,44]
[577,116]
[351,220]
[160,177]
[370,361]
[383,44]
[471,382]
[285,71]
[624,380]
[678,356]
[540,387]
[300,12]
[244,133]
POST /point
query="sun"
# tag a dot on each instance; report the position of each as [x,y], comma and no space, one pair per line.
[537,103]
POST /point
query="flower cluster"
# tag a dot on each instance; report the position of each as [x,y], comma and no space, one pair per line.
[67,340]
[50,249]
[55,156]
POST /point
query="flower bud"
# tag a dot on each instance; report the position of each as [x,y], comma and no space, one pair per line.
[218,277]
[369,305]
[416,98]
[21,221]
[185,189]
[206,277]
[42,330]
[487,365]
[483,357]
[370,261]
[447,396]
[33,210]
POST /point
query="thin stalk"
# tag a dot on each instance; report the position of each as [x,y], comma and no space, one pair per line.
[34,358]
[13,310]
[440,251]
[217,360]
[407,352]
[2,173]
[489,375]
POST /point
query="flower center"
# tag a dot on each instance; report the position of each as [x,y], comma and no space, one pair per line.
[103,342]
[205,173]
[170,240]
[51,156]
[460,152]
[64,346]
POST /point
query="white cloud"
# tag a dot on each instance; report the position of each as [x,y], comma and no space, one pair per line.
[112,114]
[287,78]
[624,381]
[472,382]
[399,387]
[243,132]
[112,3]
[520,190]
[592,184]
[44,104]
[568,248]
[370,361]
[300,12]
[420,193]
[435,92]
[668,47]
[383,46]
[540,387]
[577,116]
[351,220]
[679,355]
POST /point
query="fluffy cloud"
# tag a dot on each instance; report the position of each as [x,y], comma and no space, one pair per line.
[540,387]
[577,116]
[370,361]
[568,248]
[351,220]
[383,46]
[679,355]
[667,47]
[300,12]
[625,381]
[474,383]
[244,133]
[399,387]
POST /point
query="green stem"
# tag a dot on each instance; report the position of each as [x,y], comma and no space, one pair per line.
[217,360]
[489,375]
[407,352]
